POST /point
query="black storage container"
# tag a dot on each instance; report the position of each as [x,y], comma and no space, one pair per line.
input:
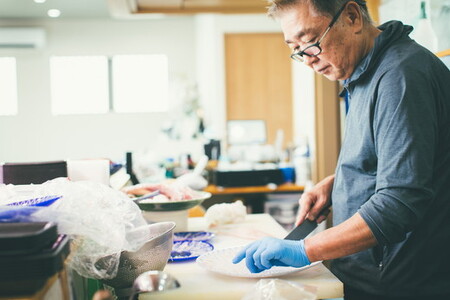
[247,178]
[31,254]
[35,172]
[25,238]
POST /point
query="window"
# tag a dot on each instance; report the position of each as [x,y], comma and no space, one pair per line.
[8,86]
[97,84]
[140,83]
[79,84]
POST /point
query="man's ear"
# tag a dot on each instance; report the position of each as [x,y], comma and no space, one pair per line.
[353,16]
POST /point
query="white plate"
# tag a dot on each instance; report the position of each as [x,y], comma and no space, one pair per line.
[220,261]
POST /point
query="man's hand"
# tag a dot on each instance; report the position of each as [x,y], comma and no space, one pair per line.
[102,295]
[268,252]
[313,201]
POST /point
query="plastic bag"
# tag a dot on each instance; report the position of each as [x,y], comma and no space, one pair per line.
[277,289]
[99,219]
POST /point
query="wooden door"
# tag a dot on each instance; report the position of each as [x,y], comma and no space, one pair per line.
[258,81]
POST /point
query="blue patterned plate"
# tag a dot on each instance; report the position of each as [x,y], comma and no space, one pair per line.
[21,211]
[41,201]
[193,236]
[186,250]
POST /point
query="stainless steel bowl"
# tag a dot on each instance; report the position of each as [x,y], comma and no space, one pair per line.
[153,255]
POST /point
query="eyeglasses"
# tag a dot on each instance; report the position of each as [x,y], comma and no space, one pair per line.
[315,49]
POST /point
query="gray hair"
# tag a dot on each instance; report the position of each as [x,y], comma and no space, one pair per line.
[324,7]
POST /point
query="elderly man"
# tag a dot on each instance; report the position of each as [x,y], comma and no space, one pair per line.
[391,189]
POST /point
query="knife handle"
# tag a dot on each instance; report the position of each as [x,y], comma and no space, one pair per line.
[324,209]
[301,231]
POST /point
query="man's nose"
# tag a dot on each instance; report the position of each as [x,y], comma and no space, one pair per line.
[310,60]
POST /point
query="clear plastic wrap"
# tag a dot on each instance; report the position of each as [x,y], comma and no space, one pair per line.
[278,289]
[99,219]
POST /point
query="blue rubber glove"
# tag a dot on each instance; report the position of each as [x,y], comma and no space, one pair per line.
[268,252]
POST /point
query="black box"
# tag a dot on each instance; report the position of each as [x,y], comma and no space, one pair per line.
[25,274]
[247,178]
[26,238]
[34,172]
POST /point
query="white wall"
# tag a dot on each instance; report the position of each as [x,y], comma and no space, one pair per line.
[195,48]
[36,135]
[408,11]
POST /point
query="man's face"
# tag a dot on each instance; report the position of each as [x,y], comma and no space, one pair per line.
[302,26]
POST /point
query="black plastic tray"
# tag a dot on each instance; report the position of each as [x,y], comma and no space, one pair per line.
[38,265]
[26,238]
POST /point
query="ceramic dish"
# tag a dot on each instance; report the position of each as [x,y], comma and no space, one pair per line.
[174,205]
[186,250]
[220,261]
[193,236]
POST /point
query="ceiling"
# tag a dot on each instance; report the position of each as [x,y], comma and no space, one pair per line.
[199,6]
[133,9]
[28,9]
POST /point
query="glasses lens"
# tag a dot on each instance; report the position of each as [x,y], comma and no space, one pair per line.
[313,50]
[297,57]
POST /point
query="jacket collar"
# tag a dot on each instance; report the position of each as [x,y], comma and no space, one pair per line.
[391,32]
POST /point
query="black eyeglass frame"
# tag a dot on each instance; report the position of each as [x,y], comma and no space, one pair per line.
[298,56]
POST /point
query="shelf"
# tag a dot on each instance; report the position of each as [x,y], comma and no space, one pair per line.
[288,187]
[443,53]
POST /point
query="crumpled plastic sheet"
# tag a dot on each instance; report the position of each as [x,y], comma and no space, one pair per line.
[278,289]
[100,221]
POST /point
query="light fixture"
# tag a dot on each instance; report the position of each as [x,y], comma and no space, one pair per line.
[39,1]
[54,13]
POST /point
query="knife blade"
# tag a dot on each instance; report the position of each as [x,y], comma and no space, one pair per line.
[302,230]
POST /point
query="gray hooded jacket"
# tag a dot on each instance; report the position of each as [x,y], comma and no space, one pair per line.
[394,168]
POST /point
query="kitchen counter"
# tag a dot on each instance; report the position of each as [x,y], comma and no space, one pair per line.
[198,283]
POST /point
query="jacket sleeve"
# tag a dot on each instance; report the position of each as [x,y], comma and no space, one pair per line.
[405,130]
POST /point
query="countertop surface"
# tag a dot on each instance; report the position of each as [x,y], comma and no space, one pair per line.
[198,283]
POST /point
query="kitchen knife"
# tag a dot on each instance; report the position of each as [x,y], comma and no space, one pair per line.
[302,230]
